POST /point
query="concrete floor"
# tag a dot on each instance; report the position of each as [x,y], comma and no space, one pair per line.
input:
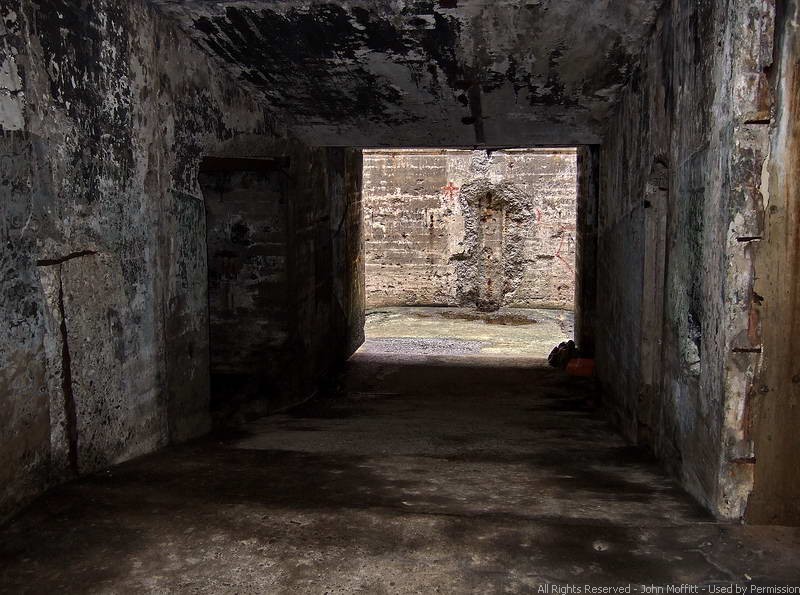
[454,331]
[425,475]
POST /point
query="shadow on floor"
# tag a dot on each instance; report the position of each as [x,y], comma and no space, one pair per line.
[449,474]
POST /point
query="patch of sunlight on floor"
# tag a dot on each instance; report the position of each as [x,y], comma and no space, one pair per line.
[463,331]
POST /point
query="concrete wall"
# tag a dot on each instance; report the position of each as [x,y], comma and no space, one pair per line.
[453,227]
[680,209]
[106,112]
[586,249]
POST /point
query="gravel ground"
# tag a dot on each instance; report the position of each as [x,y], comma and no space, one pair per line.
[423,346]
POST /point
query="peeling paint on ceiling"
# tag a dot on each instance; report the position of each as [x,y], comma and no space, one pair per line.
[424,73]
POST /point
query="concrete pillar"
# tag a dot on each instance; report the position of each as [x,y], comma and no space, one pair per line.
[586,248]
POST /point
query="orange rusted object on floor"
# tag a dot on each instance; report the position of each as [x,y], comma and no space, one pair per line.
[580,367]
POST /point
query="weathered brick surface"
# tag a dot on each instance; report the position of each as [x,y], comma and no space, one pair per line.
[453,227]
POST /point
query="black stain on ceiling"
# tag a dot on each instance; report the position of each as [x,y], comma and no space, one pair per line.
[315,61]
[312,60]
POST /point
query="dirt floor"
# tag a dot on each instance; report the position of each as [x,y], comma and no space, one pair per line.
[425,474]
[454,331]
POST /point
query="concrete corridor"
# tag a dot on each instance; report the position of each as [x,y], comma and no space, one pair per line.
[424,474]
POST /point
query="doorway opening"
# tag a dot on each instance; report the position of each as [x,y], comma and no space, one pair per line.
[249,306]
[469,252]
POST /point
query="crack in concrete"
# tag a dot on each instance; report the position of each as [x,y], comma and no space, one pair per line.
[70,413]
[732,576]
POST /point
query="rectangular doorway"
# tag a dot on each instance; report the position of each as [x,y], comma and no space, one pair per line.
[469,251]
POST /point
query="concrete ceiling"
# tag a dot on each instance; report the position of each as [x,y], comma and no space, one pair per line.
[423,73]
